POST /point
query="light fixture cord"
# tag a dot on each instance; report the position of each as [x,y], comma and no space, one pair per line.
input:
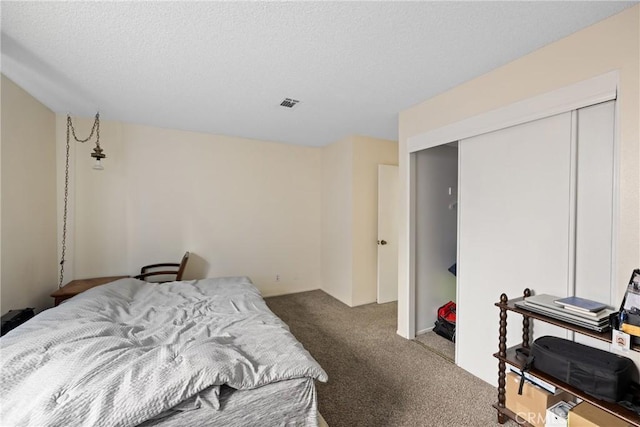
[71,131]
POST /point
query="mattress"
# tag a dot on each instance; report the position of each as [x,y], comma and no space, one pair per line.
[132,352]
[285,403]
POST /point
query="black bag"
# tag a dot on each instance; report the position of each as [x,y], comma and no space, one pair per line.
[601,374]
[445,329]
[445,326]
[15,318]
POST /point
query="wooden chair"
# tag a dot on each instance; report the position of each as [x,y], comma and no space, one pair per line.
[177,272]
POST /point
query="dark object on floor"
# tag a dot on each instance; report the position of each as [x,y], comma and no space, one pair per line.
[445,329]
[14,318]
[601,374]
[453,269]
[445,326]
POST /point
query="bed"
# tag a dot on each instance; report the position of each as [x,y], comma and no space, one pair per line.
[206,352]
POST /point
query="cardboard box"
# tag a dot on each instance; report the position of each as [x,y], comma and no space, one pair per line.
[632,330]
[535,380]
[532,404]
[558,414]
[586,415]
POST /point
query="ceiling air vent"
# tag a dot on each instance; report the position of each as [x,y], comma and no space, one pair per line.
[289,103]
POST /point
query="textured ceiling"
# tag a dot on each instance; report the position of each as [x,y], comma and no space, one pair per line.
[224,67]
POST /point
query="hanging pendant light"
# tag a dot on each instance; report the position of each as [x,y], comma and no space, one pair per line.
[98,155]
[95,130]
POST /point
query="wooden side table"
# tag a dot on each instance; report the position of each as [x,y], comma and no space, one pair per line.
[75,287]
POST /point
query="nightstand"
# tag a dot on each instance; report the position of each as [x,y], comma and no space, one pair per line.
[75,287]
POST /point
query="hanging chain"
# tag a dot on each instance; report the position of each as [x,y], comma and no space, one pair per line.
[71,130]
[64,215]
[94,129]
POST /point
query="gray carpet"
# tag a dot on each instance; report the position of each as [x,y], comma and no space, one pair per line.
[377,378]
[438,345]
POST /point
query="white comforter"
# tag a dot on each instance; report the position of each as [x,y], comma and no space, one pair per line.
[122,353]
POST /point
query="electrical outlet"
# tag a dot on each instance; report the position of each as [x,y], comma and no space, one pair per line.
[277,277]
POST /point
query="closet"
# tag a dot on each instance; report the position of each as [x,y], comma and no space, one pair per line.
[436,231]
[535,208]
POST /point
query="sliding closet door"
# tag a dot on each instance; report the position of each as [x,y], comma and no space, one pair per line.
[514,214]
[594,207]
[594,204]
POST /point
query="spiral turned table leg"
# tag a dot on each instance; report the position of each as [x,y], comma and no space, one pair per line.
[502,352]
[525,323]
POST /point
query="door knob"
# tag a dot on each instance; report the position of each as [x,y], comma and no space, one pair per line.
[382,242]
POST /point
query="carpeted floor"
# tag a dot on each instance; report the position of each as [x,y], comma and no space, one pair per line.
[438,345]
[377,378]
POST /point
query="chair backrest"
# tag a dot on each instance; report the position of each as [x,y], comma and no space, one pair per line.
[183,265]
[164,269]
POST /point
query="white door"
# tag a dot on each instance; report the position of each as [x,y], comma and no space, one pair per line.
[514,209]
[387,233]
[594,208]
[594,204]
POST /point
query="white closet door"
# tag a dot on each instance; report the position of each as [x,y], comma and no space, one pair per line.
[514,208]
[594,206]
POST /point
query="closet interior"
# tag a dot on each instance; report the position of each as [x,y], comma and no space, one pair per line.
[436,240]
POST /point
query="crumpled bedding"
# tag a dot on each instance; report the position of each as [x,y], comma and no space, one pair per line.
[123,353]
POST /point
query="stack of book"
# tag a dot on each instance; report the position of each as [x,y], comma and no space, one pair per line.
[575,310]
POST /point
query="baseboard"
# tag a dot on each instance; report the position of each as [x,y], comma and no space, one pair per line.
[424,331]
[277,294]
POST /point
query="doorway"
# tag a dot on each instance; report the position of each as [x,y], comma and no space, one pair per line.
[436,241]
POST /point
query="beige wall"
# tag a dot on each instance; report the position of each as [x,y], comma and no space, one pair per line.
[337,208]
[350,221]
[28,211]
[292,218]
[242,207]
[613,44]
